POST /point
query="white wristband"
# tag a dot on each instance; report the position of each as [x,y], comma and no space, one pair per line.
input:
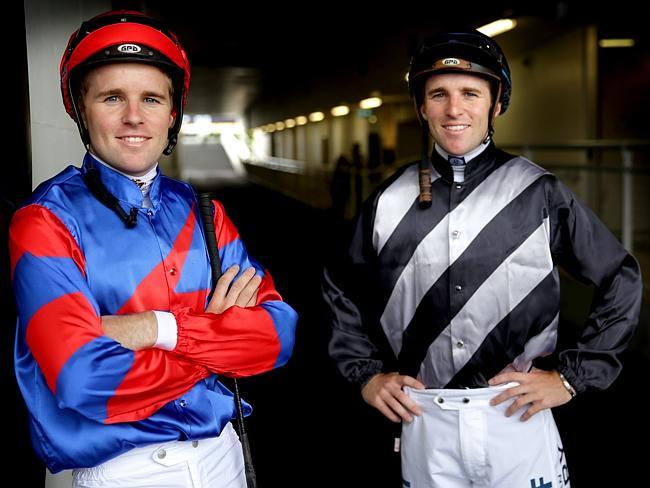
[167,331]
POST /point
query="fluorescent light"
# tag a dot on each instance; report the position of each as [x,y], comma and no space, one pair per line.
[340,110]
[497,27]
[616,43]
[372,102]
[301,120]
[316,116]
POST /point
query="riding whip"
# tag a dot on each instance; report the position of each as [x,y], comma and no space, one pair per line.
[206,211]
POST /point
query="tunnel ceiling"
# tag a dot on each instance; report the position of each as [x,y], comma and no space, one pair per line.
[284,46]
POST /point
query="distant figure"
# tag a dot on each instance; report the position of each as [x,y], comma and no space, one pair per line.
[445,308]
[119,345]
[359,167]
[340,186]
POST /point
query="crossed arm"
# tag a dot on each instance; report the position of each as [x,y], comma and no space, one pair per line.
[104,367]
[140,330]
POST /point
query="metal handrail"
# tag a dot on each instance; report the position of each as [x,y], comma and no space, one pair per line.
[627,168]
[585,144]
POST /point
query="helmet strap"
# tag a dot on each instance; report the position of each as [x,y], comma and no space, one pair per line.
[171,142]
[492,116]
[83,132]
[172,134]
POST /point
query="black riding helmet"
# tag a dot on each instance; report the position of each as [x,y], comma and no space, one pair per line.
[468,52]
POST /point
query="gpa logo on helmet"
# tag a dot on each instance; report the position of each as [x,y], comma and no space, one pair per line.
[129,48]
[451,62]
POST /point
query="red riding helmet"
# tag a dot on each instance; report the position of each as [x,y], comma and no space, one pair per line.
[118,36]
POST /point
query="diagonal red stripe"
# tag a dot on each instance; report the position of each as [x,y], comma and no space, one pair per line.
[36,230]
[132,402]
[53,346]
[150,295]
[226,230]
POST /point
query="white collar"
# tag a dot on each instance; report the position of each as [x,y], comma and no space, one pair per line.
[147,177]
[468,156]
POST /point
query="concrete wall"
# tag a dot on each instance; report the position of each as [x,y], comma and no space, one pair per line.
[54,136]
[55,139]
[554,100]
[552,95]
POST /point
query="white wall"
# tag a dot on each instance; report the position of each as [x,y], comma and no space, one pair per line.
[553,93]
[54,136]
[55,141]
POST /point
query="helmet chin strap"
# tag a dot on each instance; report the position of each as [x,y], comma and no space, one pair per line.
[172,133]
[493,104]
[171,142]
[490,132]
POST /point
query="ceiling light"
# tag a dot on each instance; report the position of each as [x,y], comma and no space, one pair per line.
[340,110]
[497,27]
[372,102]
[316,116]
[616,43]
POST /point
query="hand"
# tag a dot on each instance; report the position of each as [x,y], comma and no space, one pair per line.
[242,292]
[384,392]
[536,391]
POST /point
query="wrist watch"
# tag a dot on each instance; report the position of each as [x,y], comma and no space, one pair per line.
[567,385]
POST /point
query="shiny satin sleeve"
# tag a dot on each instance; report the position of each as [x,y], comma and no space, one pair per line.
[241,341]
[585,248]
[59,329]
[347,290]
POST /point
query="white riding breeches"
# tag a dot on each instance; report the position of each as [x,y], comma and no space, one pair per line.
[180,464]
[461,441]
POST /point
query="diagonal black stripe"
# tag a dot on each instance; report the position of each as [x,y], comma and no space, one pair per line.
[429,321]
[497,240]
[417,223]
[506,341]
[484,255]
[408,234]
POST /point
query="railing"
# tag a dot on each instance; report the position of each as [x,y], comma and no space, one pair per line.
[586,166]
[594,162]
[340,187]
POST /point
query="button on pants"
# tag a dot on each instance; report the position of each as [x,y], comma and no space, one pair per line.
[205,463]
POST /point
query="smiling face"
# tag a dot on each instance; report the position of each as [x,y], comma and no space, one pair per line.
[456,107]
[127,108]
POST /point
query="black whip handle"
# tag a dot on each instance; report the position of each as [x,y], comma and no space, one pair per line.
[206,210]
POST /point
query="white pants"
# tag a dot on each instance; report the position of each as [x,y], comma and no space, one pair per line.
[216,462]
[462,441]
